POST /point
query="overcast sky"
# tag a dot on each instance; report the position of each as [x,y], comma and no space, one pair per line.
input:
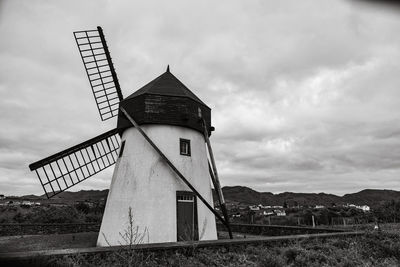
[304,94]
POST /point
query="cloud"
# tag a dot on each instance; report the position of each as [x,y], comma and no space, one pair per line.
[304,95]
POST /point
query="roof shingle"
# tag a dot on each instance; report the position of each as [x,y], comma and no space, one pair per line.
[166,84]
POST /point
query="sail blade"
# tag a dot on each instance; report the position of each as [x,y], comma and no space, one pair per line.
[100,71]
[69,167]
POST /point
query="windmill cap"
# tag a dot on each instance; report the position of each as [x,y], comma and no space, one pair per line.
[166,84]
[165,100]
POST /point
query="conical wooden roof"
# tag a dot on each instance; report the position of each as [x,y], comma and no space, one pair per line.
[166,84]
[165,100]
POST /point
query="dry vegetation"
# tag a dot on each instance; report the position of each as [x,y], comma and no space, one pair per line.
[79,213]
[371,249]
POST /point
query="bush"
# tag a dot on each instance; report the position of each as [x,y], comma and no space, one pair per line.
[66,214]
[272,260]
[381,245]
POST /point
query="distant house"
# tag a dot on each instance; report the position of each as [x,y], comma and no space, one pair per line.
[26,203]
[364,208]
[267,213]
[2,197]
[254,208]
[280,212]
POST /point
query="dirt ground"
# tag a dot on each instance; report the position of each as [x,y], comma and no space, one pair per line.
[60,241]
[45,242]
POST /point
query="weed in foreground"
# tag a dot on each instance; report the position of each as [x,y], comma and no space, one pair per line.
[129,254]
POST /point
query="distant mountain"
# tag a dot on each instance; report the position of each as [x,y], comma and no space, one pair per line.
[245,195]
[372,197]
[67,196]
[32,197]
[83,195]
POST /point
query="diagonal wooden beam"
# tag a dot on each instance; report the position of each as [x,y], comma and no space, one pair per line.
[171,165]
[215,180]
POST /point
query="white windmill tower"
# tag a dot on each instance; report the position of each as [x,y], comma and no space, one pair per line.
[162,172]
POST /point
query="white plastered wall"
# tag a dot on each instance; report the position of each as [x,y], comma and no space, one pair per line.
[146,184]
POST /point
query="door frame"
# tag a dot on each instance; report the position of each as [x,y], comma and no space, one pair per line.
[195,224]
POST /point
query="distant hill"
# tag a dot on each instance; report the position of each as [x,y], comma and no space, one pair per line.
[245,195]
[371,197]
[83,195]
[66,197]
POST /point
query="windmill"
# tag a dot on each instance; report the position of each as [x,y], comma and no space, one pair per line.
[161,151]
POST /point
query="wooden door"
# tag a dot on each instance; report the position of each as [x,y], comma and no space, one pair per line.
[186,212]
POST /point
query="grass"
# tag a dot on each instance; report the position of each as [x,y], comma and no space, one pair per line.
[371,249]
[47,242]
[374,248]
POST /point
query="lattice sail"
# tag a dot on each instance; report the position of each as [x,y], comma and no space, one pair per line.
[67,168]
[100,71]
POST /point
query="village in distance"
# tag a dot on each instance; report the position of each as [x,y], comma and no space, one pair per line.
[244,206]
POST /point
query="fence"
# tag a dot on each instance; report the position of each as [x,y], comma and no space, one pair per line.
[64,228]
[275,230]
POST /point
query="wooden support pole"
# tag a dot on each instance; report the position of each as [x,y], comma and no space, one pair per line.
[222,205]
[171,165]
[214,178]
[213,181]
[214,168]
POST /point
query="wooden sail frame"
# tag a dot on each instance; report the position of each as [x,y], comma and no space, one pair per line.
[69,167]
[100,71]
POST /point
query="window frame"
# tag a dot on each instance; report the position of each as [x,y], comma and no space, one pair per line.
[182,142]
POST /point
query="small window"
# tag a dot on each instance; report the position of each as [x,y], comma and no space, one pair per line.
[185,147]
[121,151]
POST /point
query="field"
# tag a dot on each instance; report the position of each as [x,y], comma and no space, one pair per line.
[63,241]
[374,248]
[47,242]
[371,249]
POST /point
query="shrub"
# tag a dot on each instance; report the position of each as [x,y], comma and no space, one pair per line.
[291,254]
[270,259]
[66,214]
